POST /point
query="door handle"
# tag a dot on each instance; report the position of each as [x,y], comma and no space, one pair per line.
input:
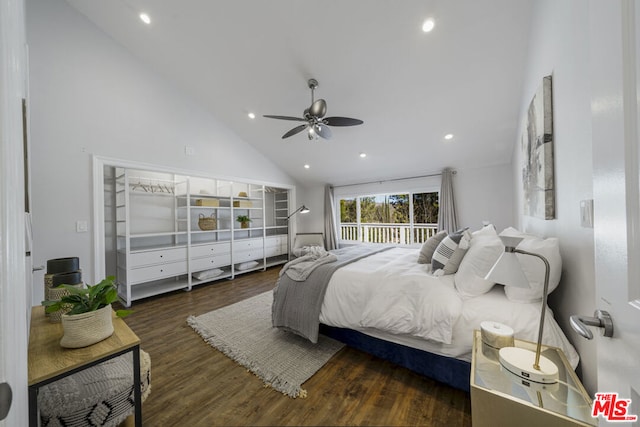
[6,396]
[601,319]
[38,268]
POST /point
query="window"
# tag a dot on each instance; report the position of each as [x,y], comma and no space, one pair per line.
[400,218]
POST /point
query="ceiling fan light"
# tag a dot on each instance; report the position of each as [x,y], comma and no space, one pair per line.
[428,25]
[311,134]
[145,18]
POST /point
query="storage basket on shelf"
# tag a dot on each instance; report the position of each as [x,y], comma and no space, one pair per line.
[208,202]
[242,204]
[207,223]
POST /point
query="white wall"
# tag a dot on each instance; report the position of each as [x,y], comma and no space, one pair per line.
[89,96]
[558,47]
[313,198]
[485,194]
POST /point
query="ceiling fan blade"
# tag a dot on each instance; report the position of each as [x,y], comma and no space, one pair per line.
[318,108]
[341,121]
[295,130]
[322,130]
[296,119]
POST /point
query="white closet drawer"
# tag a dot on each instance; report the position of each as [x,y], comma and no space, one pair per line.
[243,256]
[144,274]
[198,251]
[246,245]
[156,256]
[275,251]
[206,263]
[275,241]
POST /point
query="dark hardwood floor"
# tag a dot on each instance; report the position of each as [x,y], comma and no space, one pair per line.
[193,384]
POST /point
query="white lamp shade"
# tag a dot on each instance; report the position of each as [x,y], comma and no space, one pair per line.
[507,270]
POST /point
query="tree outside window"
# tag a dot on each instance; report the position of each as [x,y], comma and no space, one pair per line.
[425,208]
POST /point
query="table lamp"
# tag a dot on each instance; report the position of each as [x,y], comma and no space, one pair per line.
[524,363]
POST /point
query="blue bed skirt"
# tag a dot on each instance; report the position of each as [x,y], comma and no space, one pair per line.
[448,370]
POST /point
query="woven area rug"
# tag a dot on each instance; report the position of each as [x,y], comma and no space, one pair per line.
[243,332]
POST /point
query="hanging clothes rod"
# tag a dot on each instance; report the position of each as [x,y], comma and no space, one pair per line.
[391,180]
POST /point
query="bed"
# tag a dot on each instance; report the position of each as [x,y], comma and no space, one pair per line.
[385,302]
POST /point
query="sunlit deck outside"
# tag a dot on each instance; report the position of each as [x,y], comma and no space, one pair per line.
[400,234]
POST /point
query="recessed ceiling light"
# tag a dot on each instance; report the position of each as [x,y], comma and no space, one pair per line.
[307,166]
[428,25]
[363,155]
[251,115]
[145,18]
[448,136]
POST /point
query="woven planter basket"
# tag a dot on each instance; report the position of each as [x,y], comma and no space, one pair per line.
[207,222]
[55,294]
[85,329]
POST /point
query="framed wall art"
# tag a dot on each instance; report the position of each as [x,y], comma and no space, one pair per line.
[537,148]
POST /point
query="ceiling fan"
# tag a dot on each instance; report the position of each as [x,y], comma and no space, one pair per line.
[316,123]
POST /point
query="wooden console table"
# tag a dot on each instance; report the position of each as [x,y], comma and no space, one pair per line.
[48,362]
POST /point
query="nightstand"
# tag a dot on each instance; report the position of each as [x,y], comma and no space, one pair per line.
[499,398]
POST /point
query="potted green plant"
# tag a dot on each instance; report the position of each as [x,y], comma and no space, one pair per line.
[87,317]
[243,220]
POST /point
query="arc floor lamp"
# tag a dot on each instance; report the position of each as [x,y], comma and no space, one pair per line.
[303,210]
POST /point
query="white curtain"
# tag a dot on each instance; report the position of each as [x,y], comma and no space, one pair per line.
[447,215]
[330,231]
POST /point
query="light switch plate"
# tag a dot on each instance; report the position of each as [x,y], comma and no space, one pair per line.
[586,213]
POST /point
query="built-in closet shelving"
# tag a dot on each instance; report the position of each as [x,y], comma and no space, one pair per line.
[163,243]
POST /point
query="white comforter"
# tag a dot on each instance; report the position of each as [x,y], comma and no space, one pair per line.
[389,295]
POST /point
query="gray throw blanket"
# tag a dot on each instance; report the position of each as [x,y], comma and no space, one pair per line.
[296,305]
[300,268]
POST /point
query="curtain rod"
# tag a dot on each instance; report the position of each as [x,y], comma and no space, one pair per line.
[391,180]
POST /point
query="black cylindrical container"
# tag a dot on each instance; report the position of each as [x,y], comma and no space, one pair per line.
[71,278]
[63,265]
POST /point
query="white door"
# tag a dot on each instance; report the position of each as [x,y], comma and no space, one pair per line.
[614,71]
[14,306]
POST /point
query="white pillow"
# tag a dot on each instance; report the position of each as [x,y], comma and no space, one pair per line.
[533,267]
[246,265]
[484,250]
[207,274]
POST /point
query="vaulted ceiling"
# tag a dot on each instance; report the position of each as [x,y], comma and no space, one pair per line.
[372,60]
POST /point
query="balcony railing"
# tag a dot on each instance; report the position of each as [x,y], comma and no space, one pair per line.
[400,234]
